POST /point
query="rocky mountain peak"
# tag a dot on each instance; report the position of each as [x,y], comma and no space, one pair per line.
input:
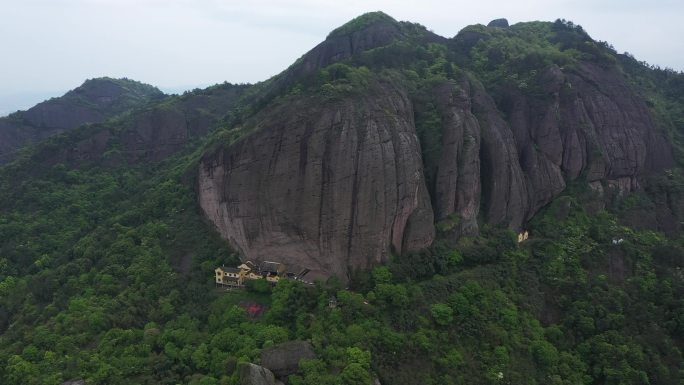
[500,23]
[384,137]
[366,32]
[95,101]
[359,167]
[106,90]
[367,21]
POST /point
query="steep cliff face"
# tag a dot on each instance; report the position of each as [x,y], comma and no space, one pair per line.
[364,33]
[94,101]
[586,123]
[331,187]
[457,185]
[504,185]
[337,186]
[342,44]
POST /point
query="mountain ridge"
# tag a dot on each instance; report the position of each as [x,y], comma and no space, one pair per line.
[92,102]
[489,154]
[514,156]
[110,233]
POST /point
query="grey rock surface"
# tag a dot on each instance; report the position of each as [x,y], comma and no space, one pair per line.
[283,359]
[332,187]
[251,374]
[457,186]
[339,186]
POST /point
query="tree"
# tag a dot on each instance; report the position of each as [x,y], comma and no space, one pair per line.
[442,314]
[355,374]
[382,275]
[258,286]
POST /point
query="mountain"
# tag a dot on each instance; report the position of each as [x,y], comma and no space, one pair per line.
[406,167]
[95,101]
[340,177]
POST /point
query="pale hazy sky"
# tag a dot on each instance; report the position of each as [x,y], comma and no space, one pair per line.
[51,46]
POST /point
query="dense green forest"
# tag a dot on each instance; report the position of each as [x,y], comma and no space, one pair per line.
[106,271]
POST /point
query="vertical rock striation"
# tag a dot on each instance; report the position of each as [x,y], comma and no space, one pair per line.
[457,185]
[333,188]
[338,186]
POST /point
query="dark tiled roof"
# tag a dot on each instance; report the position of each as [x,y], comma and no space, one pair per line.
[269,267]
[230,270]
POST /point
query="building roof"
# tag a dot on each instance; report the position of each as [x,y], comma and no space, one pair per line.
[246,267]
[228,269]
[269,267]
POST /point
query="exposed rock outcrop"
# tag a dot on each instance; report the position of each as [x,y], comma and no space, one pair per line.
[366,32]
[457,185]
[331,187]
[500,23]
[338,186]
[93,102]
[251,374]
[588,123]
[479,165]
[283,359]
[150,134]
[504,185]
[342,44]
[337,183]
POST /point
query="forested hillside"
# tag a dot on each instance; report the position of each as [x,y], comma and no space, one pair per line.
[108,243]
[95,101]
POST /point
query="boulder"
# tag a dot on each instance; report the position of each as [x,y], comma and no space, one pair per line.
[251,374]
[283,359]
